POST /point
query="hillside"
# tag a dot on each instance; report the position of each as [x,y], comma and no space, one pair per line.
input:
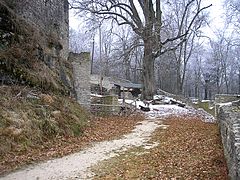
[29,117]
[37,126]
[35,83]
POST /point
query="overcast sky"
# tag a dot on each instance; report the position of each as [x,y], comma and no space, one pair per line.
[216,17]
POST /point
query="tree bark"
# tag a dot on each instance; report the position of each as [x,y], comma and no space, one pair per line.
[179,90]
[148,71]
[127,68]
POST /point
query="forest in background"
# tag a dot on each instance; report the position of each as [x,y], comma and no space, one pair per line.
[200,66]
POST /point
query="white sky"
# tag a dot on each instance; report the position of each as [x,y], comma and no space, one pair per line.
[74,21]
[216,18]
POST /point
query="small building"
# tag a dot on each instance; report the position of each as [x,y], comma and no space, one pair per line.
[114,85]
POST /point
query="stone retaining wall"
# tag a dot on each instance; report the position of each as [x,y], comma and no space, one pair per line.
[229,122]
[224,98]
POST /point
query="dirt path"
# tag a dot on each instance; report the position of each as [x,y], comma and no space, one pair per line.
[77,166]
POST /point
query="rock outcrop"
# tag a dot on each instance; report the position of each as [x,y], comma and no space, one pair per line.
[34,44]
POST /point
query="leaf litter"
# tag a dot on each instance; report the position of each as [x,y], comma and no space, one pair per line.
[187,149]
[182,146]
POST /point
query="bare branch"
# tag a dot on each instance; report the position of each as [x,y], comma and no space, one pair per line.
[159,53]
[188,29]
[183,17]
[136,18]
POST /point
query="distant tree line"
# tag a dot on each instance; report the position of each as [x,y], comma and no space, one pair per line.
[183,59]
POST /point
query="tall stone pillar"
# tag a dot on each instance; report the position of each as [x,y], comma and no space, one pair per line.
[81,75]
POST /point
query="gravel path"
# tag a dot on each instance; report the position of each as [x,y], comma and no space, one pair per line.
[77,166]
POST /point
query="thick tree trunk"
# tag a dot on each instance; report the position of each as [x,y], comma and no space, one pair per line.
[148,72]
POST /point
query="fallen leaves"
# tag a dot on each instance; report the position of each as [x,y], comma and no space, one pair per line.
[99,129]
[188,149]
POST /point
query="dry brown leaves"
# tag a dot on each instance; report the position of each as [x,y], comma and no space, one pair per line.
[188,149]
[99,129]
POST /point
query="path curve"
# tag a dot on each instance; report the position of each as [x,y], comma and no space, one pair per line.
[77,165]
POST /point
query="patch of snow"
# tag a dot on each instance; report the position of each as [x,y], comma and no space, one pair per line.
[138,103]
[162,111]
[205,100]
[158,97]
[96,95]
[225,104]
[201,113]
[167,100]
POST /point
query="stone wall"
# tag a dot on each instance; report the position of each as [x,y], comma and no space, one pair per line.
[106,81]
[229,121]
[34,44]
[49,16]
[105,105]
[224,98]
[39,31]
[81,73]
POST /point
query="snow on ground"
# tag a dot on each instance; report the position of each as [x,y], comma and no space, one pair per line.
[157,111]
[77,166]
[225,104]
[161,111]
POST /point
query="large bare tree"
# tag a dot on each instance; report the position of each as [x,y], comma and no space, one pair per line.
[147,21]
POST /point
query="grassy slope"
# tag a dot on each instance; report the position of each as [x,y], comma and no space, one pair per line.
[29,118]
[49,126]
